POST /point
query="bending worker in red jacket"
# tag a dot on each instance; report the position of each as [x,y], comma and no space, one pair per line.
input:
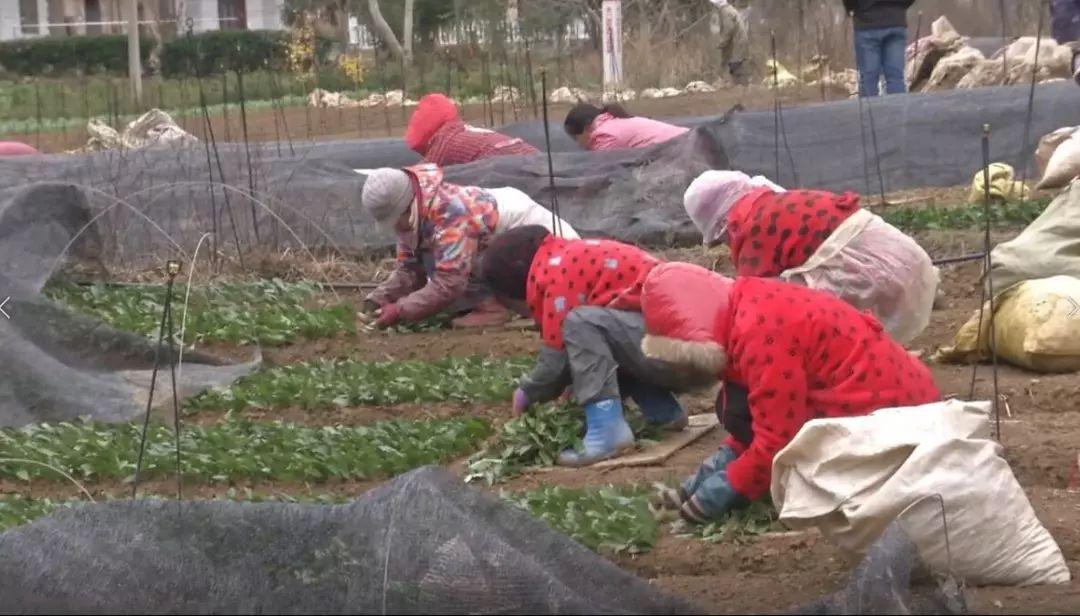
[437,133]
[786,355]
[584,294]
[819,239]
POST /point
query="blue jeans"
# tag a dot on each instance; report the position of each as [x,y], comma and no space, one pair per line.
[881,51]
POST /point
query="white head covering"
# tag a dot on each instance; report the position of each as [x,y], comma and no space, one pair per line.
[386,195]
[711,197]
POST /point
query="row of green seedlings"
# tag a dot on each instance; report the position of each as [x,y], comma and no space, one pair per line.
[239,449]
[611,520]
[265,312]
[534,440]
[614,519]
[968,216]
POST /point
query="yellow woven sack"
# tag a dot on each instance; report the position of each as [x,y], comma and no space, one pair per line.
[1003,184]
[1037,326]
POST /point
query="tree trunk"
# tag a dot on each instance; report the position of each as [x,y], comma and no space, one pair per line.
[150,13]
[383,29]
[407,29]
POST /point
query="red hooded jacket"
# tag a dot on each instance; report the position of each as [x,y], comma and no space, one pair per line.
[771,232]
[802,354]
[437,133]
[566,274]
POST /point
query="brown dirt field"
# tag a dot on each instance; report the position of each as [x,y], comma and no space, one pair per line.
[500,342]
[1040,433]
[304,124]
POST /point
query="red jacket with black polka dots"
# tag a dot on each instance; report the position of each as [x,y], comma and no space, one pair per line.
[566,274]
[771,232]
[804,354]
[801,354]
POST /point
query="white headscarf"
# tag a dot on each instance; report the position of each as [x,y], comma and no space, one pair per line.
[711,197]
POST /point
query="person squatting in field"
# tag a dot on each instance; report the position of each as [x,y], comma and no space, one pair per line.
[819,239]
[585,296]
[785,355]
[442,229]
[613,128]
[437,132]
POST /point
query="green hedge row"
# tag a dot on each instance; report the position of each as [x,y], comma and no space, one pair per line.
[231,50]
[88,54]
[208,53]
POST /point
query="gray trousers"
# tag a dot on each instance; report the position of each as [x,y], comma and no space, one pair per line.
[602,360]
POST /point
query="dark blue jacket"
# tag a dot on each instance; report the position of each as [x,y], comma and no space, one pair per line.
[869,14]
[1065,20]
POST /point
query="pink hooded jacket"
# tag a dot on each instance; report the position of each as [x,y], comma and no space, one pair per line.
[611,133]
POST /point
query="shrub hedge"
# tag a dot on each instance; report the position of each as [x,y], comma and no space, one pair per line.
[86,54]
[209,52]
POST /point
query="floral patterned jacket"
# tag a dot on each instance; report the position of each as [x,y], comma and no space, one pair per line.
[454,225]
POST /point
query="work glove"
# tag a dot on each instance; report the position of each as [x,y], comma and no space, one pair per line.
[366,314]
[520,402]
[389,315]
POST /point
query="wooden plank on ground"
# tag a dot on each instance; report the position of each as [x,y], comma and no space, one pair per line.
[700,425]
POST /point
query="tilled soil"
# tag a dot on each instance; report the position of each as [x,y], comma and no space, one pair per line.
[1040,428]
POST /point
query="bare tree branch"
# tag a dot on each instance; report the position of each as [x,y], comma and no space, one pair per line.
[383,29]
[407,30]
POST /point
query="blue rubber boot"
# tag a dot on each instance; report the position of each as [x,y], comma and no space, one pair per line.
[607,436]
[659,406]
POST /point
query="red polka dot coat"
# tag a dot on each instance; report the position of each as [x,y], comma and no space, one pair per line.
[771,232]
[566,274]
[801,354]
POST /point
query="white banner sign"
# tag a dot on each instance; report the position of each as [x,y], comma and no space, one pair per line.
[612,41]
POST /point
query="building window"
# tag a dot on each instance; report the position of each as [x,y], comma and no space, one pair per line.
[28,16]
[233,14]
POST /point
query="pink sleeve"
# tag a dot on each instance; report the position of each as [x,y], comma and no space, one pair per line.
[602,140]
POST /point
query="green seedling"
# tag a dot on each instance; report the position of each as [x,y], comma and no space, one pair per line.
[344,382]
[238,449]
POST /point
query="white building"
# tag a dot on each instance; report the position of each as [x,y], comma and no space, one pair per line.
[31,18]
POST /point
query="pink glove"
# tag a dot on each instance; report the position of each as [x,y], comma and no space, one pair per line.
[521,402]
[389,315]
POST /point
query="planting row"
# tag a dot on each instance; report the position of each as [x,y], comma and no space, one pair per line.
[346,382]
[610,519]
[268,312]
[972,216]
[236,449]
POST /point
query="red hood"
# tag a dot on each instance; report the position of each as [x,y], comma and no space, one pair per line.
[686,311]
[433,111]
